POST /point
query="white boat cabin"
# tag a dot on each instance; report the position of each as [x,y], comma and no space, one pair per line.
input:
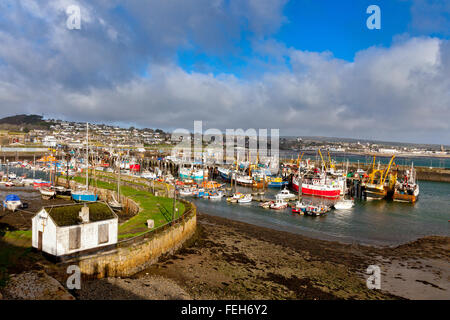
[66,229]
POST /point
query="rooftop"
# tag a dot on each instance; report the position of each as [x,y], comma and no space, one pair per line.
[68,215]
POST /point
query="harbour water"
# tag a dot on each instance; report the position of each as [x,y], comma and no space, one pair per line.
[376,222]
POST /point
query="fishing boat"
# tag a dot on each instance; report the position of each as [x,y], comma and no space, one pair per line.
[85,195]
[246,199]
[12,202]
[319,210]
[61,191]
[266,205]
[299,207]
[199,193]
[47,193]
[279,204]
[285,194]
[215,196]
[344,204]
[245,181]
[185,192]
[276,182]
[235,197]
[407,190]
[224,173]
[317,187]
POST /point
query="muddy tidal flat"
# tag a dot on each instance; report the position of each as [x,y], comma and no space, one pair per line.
[233,260]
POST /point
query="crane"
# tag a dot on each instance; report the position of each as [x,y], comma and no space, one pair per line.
[320,153]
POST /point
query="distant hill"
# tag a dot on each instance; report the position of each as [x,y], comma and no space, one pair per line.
[23,122]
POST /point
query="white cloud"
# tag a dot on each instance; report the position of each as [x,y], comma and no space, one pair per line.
[400,93]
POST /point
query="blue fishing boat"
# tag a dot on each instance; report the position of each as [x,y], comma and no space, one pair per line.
[276,182]
[225,174]
[85,196]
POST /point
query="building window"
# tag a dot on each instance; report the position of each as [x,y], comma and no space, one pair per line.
[75,238]
[103,233]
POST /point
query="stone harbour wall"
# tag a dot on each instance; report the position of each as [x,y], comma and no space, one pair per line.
[128,260]
[130,257]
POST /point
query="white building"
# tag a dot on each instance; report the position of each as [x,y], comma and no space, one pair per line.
[385,150]
[67,229]
[49,141]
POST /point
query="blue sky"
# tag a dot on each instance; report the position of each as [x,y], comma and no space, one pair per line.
[306,67]
[311,25]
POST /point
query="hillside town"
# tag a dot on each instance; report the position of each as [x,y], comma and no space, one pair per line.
[55,133]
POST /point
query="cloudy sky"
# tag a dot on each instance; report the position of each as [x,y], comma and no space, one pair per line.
[307,67]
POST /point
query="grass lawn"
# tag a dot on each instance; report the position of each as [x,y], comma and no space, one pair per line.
[157,208]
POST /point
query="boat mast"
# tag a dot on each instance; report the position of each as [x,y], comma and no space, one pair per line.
[118,180]
[87,156]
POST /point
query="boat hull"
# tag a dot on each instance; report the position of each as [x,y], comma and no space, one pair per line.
[84,197]
[318,191]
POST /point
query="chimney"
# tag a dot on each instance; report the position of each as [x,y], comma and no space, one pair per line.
[84,214]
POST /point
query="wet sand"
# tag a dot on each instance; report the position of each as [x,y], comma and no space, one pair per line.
[233,260]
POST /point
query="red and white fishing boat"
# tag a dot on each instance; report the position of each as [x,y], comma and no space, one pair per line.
[318,187]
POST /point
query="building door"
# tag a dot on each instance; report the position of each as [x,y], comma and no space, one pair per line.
[40,240]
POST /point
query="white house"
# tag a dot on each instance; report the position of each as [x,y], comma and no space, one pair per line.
[66,229]
[49,141]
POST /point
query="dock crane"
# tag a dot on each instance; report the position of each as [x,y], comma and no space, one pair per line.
[387,170]
[329,160]
[299,159]
[324,163]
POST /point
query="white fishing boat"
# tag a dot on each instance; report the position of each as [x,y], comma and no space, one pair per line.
[246,199]
[266,205]
[216,196]
[279,203]
[12,202]
[235,197]
[185,192]
[244,180]
[344,204]
[47,193]
[285,194]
